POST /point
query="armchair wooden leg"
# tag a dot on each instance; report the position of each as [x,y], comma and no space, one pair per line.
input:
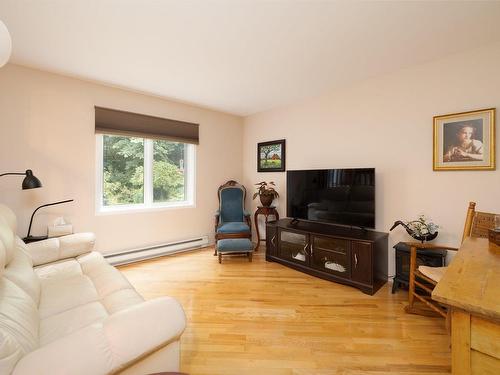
[249,256]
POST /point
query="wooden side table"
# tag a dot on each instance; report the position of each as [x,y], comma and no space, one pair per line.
[266,211]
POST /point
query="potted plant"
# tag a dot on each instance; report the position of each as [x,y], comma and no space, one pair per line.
[266,193]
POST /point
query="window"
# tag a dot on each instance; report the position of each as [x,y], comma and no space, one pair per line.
[141,173]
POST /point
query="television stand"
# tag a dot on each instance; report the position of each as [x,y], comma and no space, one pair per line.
[355,257]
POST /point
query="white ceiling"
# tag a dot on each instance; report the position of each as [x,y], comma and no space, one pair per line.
[240,57]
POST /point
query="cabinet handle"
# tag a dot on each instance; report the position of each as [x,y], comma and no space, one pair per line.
[272,240]
[355,260]
[305,248]
[312,251]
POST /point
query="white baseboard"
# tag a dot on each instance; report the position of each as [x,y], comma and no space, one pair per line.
[136,255]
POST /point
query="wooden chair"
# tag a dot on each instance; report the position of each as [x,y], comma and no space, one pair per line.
[423,279]
[231,219]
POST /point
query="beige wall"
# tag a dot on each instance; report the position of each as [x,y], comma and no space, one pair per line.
[47,124]
[386,123]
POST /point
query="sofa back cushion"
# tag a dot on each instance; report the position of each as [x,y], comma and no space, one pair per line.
[19,296]
[20,271]
[7,238]
[9,217]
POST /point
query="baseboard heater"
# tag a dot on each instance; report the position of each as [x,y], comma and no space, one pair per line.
[136,255]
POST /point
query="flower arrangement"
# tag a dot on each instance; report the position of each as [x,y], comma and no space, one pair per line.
[266,192]
[422,229]
[422,226]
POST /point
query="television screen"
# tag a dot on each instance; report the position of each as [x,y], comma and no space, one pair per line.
[339,196]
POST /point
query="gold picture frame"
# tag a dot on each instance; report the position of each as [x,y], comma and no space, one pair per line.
[464,141]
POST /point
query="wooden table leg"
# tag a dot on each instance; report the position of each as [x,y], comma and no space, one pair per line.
[255,216]
[266,214]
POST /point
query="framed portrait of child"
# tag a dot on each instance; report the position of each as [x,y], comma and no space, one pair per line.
[465,141]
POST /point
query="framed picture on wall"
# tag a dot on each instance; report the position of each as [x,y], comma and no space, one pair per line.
[271,156]
[465,141]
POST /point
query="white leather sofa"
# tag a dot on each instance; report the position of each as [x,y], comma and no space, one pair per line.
[65,310]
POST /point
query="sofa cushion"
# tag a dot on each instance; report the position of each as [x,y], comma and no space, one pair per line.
[78,292]
[61,295]
[58,271]
[121,300]
[56,249]
[106,279]
[67,322]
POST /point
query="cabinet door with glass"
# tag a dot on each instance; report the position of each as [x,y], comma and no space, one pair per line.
[294,246]
[331,255]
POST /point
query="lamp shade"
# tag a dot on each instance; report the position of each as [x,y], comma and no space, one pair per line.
[5,44]
[30,181]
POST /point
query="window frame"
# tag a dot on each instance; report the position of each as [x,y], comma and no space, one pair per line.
[149,204]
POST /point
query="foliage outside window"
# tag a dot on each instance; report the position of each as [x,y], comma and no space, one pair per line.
[144,173]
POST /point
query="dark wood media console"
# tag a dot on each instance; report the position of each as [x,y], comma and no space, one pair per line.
[349,256]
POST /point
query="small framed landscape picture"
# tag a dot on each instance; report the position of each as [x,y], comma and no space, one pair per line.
[465,141]
[271,156]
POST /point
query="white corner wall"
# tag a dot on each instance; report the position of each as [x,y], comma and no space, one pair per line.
[386,123]
[47,125]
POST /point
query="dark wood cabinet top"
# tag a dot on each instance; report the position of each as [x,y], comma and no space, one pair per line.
[331,230]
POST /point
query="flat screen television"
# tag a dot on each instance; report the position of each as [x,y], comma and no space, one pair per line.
[336,196]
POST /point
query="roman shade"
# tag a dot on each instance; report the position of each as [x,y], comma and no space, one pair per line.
[116,122]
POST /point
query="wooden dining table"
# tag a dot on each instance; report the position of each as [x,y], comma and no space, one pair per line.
[470,288]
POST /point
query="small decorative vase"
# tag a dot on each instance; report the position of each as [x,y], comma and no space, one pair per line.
[266,200]
[427,237]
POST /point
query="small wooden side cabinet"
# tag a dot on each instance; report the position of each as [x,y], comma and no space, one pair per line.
[266,211]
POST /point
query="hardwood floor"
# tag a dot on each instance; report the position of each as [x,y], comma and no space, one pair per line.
[263,318]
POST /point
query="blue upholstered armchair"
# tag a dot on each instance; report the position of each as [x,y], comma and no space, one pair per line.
[231,219]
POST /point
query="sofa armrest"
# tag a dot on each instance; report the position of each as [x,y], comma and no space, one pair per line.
[83,352]
[112,345]
[147,327]
[53,249]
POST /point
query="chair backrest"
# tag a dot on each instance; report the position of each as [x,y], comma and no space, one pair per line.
[477,223]
[231,202]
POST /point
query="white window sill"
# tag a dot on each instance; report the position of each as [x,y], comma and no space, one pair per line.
[140,208]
